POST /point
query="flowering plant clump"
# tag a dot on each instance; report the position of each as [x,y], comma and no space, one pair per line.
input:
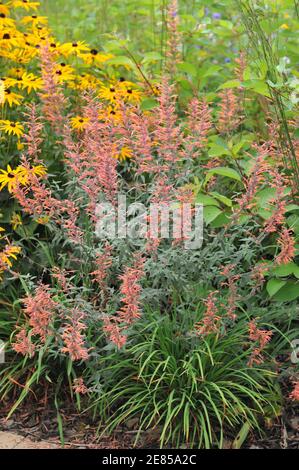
[92,284]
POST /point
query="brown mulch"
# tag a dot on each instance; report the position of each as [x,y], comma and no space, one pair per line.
[79,431]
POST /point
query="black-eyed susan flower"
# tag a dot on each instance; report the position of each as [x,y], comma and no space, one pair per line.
[26,4]
[10,251]
[2,92]
[94,57]
[8,82]
[24,173]
[11,128]
[76,47]
[12,98]
[29,82]
[6,22]
[4,10]
[124,154]
[79,123]
[35,20]
[64,73]
[10,178]
[109,93]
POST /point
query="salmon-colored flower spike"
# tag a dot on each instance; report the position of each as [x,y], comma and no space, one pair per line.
[43,203]
[231,283]
[229,116]
[167,133]
[131,290]
[279,203]
[99,167]
[255,180]
[262,338]
[74,338]
[23,344]
[114,331]
[104,262]
[211,319]
[141,143]
[240,67]
[199,123]
[33,135]
[287,244]
[40,308]
[173,53]
[294,395]
[52,97]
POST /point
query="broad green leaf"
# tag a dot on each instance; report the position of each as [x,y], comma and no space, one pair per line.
[230,84]
[217,151]
[206,200]
[225,171]
[274,285]
[148,103]
[210,213]
[286,270]
[188,68]
[259,86]
[288,292]
[225,200]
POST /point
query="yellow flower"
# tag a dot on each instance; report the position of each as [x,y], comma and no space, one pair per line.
[94,57]
[64,73]
[2,92]
[109,93]
[132,95]
[284,26]
[73,48]
[43,220]
[15,220]
[9,178]
[30,82]
[85,81]
[79,123]
[12,98]
[124,154]
[9,251]
[35,20]
[10,127]
[6,22]
[16,72]
[25,4]
[20,146]
[19,175]
[24,173]
[111,113]
[4,10]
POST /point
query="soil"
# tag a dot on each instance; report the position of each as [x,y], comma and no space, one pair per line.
[36,427]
